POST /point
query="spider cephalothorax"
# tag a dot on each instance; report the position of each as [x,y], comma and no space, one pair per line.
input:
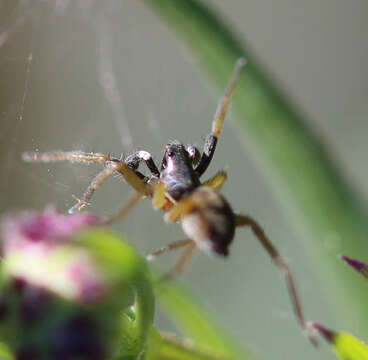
[177,171]
[206,217]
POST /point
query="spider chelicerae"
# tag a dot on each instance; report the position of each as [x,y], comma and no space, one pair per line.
[206,217]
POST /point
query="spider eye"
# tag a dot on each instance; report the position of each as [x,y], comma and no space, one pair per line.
[170,153]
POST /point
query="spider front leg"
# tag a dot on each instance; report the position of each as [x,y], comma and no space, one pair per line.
[217,124]
[134,160]
[95,183]
[242,220]
[111,167]
[72,156]
[133,177]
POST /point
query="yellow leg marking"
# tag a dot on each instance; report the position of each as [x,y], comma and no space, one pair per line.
[159,195]
[133,180]
[216,181]
[182,208]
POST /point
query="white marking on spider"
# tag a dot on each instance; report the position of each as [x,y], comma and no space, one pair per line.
[144,155]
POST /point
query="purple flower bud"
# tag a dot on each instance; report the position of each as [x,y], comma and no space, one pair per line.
[328,334]
[358,266]
[48,228]
[39,249]
[63,288]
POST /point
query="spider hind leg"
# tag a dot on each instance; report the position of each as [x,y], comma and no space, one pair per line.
[242,220]
[183,261]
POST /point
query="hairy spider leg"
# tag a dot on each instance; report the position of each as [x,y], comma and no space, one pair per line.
[137,180]
[72,156]
[111,167]
[242,220]
[128,206]
[182,262]
[172,246]
[133,177]
[217,124]
[96,182]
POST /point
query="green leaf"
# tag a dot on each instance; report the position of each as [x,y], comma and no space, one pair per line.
[346,346]
[310,190]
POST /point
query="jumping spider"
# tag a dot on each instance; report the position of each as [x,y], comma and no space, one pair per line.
[206,217]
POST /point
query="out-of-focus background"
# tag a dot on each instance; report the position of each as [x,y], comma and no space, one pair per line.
[110,77]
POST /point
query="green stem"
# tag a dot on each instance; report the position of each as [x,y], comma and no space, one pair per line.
[144,309]
[308,187]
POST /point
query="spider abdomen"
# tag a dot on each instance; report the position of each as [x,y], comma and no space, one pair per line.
[210,223]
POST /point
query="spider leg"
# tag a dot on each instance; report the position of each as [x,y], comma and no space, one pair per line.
[133,177]
[222,107]
[73,156]
[111,167]
[182,262]
[242,220]
[134,159]
[128,206]
[169,247]
[180,209]
[216,181]
[95,183]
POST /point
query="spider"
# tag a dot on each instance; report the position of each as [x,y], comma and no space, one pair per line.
[206,217]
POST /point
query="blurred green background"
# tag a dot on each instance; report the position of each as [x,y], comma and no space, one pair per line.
[111,77]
